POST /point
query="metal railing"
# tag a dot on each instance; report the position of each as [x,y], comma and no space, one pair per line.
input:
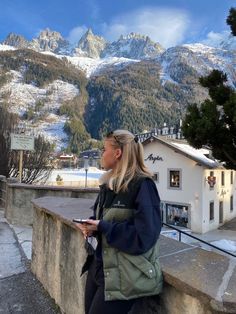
[200,240]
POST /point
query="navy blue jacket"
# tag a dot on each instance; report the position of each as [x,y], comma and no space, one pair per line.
[136,236]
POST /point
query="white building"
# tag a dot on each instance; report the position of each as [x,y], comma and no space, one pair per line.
[196,191]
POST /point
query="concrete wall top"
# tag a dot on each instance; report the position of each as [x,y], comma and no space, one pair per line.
[207,276]
[51,187]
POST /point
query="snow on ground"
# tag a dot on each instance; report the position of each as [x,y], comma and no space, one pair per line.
[6,47]
[164,75]
[227,245]
[75,177]
[22,96]
[52,130]
[92,66]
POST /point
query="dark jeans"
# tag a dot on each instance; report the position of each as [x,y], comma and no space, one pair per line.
[94,294]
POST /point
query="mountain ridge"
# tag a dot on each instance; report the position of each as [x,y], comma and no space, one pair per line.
[132,83]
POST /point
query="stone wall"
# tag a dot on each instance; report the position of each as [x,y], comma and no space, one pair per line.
[19,208]
[196,281]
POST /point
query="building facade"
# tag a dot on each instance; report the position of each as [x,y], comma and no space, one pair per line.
[196,191]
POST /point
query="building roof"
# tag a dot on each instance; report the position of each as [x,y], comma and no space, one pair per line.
[92,153]
[201,156]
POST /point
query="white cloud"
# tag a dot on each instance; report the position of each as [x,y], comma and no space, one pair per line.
[76,33]
[215,39]
[164,25]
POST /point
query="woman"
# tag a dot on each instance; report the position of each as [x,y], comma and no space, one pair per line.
[127,224]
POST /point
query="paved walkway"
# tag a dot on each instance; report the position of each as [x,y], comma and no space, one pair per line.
[231,225]
[225,232]
[20,291]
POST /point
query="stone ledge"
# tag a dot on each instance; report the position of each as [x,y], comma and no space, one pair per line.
[206,275]
[65,209]
[209,278]
[19,208]
[51,187]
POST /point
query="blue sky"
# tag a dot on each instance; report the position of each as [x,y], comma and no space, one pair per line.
[169,22]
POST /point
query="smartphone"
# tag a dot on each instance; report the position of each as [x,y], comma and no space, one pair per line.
[80,221]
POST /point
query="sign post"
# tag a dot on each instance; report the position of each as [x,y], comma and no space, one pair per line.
[20,165]
[21,142]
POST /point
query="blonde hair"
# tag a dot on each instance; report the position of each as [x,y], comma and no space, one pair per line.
[131,163]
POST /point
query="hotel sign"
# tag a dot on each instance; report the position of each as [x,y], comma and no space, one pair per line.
[22,142]
[154,158]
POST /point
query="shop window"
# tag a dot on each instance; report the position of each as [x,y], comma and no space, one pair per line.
[177,215]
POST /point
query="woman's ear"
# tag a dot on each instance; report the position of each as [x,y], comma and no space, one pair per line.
[118,153]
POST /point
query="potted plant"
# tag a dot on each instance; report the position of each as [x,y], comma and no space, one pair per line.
[59,180]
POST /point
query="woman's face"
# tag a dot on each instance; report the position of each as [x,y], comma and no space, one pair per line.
[110,155]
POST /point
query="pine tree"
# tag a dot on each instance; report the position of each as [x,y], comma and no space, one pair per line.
[231,20]
[213,123]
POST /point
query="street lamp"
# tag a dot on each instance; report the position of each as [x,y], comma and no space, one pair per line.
[86,166]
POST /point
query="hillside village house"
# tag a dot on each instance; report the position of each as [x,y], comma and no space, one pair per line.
[196,191]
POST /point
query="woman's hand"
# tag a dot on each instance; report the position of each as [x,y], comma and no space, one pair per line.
[83,229]
[88,228]
[92,225]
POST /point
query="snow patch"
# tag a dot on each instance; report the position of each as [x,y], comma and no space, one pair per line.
[92,66]
[227,245]
[6,47]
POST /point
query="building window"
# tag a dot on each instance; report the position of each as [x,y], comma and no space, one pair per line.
[231,203]
[174,179]
[221,212]
[211,185]
[177,215]
[156,177]
[231,177]
[211,211]
[222,178]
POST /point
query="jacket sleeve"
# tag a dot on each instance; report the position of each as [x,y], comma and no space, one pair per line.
[139,235]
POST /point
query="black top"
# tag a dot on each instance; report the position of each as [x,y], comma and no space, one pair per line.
[136,236]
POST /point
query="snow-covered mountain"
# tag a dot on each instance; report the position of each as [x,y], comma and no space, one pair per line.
[16,41]
[93,53]
[214,58]
[90,45]
[46,41]
[50,41]
[179,66]
[133,46]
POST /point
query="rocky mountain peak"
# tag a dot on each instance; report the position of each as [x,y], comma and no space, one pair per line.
[90,45]
[15,40]
[134,46]
[49,40]
[48,35]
